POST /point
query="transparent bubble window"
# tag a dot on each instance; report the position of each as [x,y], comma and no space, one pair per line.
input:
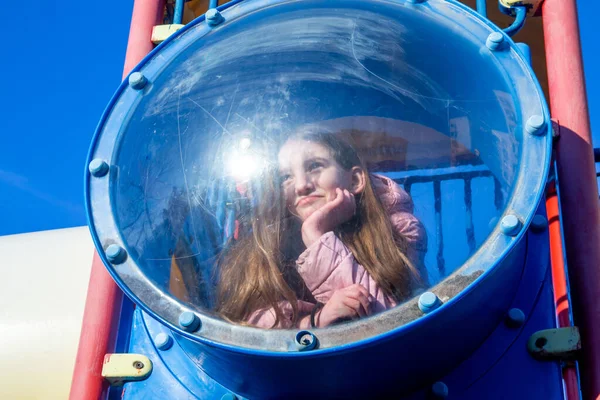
[216,154]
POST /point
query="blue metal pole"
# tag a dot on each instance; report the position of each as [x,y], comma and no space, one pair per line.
[482,8]
[178,13]
[213,4]
[521,13]
[437,194]
[470,228]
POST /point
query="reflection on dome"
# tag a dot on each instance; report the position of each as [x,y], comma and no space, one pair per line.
[216,208]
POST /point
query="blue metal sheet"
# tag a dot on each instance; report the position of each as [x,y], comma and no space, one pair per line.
[173,375]
[500,368]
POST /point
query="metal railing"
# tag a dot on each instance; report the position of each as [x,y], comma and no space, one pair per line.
[436,180]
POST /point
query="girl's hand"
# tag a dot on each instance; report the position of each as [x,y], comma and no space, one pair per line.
[348,303]
[328,217]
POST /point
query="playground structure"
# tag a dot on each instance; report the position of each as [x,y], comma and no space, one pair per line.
[477,120]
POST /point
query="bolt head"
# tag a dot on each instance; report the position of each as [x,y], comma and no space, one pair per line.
[535,125]
[229,396]
[539,223]
[189,321]
[515,318]
[510,225]
[115,254]
[306,340]
[163,341]
[428,302]
[213,17]
[137,80]
[98,168]
[494,41]
[439,390]
[138,364]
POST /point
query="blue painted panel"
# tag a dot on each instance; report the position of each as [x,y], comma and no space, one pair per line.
[500,368]
[173,375]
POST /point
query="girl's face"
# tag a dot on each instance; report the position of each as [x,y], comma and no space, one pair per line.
[309,176]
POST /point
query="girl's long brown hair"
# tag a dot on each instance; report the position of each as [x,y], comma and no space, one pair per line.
[255,273]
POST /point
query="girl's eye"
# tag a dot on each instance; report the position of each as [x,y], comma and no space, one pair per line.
[285,178]
[314,165]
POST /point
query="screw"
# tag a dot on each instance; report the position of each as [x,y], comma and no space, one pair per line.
[229,396]
[494,41]
[163,341]
[306,340]
[189,321]
[98,167]
[439,390]
[539,223]
[428,302]
[138,365]
[541,342]
[213,17]
[514,318]
[115,254]
[535,125]
[510,225]
[137,80]
[416,1]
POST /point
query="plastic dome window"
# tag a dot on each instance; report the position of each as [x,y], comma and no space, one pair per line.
[242,133]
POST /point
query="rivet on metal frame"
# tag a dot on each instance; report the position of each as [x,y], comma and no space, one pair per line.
[495,41]
[428,302]
[98,168]
[137,80]
[439,390]
[189,321]
[163,341]
[535,125]
[514,318]
[213,17]
[510,225]
[115,254]
[539,223]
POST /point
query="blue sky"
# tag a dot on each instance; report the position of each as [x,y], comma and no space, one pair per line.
[60,67]
[58,71]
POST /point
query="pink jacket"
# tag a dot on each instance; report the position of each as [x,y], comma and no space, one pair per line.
[328,265]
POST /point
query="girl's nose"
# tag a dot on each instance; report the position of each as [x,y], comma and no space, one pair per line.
[303,185]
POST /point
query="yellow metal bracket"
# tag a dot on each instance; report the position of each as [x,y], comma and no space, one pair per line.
[161,32]
[120,368]
[534,6]
[555,344]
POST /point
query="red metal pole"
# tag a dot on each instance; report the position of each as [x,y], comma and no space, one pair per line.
[104,299]
[98,334]
[577,177]
[559,283]
[146,14]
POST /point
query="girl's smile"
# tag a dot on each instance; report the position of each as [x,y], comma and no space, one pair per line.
[307,200]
